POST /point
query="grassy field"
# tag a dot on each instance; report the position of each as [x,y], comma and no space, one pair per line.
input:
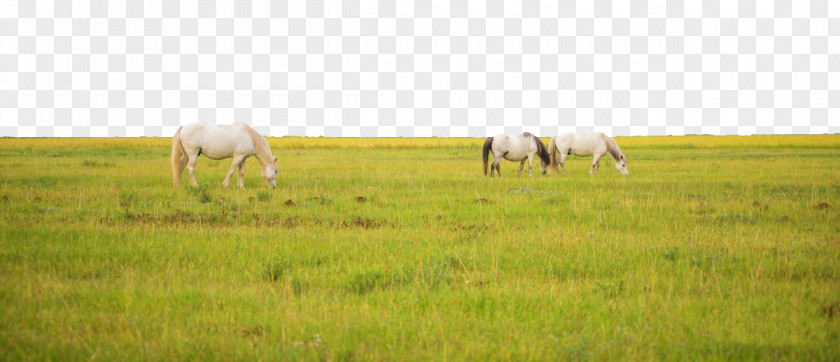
[399,249]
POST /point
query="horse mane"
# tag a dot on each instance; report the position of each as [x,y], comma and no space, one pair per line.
[541,150]
[261,149]
[612,148]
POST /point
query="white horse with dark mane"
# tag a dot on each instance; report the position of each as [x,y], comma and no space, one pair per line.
[217,142]
[592,144]
[514,148]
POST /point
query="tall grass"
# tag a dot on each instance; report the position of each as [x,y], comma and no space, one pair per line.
[712,248]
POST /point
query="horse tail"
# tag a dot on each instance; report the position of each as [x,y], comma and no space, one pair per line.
[488,143]
[552,151]
[176,157]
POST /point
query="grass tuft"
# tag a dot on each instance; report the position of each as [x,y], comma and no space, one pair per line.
[274,270]
[201,192]
[263,195]
[127,198]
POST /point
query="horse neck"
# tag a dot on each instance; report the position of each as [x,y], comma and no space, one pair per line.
[542,151]
[261,150]
[613,149]
[263,153]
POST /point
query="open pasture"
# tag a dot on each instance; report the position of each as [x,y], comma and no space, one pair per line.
[394,249]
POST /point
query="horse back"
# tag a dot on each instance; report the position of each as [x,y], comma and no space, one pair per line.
[581,144]
[564,141]
[218,141]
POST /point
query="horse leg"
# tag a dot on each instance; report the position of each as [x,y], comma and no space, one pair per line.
[233,165]
[595,161]
[493,167]
[563,162]
[530,163]
[191,169]
[497,160]
[521,166]
[240,182]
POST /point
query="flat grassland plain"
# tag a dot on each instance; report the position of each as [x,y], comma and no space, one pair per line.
[395,249]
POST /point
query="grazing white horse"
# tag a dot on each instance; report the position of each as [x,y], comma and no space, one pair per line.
[217,142]
[514,148]
[593,144]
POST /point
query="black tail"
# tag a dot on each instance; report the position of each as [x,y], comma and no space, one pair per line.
[543,152]
[488,143]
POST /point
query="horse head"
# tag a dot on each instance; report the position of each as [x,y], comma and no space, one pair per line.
[269,173]
[621,165]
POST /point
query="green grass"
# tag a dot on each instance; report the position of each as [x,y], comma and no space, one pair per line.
[715,248]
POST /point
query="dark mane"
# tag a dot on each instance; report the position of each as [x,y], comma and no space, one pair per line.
[541,149]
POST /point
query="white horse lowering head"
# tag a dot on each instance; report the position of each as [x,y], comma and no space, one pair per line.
[585,144]
[269,174]
[621,165]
